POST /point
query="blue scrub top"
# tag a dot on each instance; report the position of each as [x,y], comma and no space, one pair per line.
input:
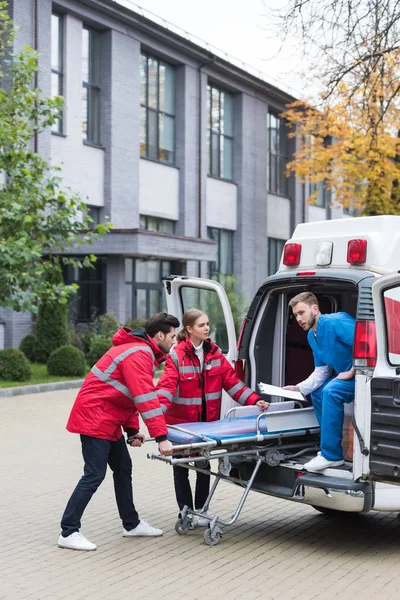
[333,343]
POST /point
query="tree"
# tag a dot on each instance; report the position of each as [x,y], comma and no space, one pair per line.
[354,47]
[37,218]
[361,165]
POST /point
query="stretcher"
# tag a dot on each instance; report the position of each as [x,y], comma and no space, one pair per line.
[244,434]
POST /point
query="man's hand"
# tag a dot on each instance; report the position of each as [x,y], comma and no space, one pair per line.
[346,375]
[165,447]
[291,388]
[262,404]
[137,440]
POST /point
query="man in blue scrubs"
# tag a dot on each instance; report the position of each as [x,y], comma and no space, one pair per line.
[332,383]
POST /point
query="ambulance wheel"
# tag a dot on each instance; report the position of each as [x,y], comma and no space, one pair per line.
[182,528]
[334,513]
[210,538]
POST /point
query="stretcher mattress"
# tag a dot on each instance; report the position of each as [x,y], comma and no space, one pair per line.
[244,427]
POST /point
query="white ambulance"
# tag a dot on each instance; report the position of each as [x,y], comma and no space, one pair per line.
[351,265]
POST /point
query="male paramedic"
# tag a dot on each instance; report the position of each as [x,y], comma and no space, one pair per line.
[118,388]
[332,383]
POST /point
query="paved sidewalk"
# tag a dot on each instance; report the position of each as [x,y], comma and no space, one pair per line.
[277,549]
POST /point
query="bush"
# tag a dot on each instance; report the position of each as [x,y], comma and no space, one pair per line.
[135,323]
[107,324]
[100,345]
[28,346]
[14,366]
[66,361]
[52,329]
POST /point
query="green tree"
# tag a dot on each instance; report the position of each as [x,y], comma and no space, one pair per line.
[37,218]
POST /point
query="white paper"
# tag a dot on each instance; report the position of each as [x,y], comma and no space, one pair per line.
[274,390]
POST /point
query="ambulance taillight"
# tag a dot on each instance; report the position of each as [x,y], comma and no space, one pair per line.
[356,252]
[365,349]
[291,255]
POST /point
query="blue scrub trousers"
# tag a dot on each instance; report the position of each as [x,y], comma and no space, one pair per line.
[328,401]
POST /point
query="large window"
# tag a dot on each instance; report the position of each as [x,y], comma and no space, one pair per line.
[275,249]
[320,199]
[157,224]
[91,85]
[224,262]
[157,119]
[90,299]
[144,293]
[278,155]
[57,64]
[220,133]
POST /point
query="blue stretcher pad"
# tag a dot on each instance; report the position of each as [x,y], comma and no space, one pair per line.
[243,427]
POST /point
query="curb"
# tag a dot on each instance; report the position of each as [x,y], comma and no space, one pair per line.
[40,387]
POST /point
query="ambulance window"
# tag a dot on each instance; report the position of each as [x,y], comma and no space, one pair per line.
[392,315]
[208,301]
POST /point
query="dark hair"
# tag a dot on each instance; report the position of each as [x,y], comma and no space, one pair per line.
[188,320]
[160,322]
[306,297]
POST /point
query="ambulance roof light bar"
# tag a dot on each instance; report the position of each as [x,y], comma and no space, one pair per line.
[356,252]
[291,255]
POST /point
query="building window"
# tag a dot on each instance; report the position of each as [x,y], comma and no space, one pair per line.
[143,285]
[278,155]
[275,249]
[220,133]
[57,64]
[320,199]
[91,86]
[157,112]
[90,299]
[157,224]
[94,213]
[224,262]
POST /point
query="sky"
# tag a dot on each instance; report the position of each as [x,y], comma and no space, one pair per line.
[242,29]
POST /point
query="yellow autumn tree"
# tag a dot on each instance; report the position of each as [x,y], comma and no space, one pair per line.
[350,140]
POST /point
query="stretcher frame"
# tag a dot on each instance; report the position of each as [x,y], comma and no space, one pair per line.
[258,448]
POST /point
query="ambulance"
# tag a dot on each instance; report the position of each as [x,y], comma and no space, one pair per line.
[351,265]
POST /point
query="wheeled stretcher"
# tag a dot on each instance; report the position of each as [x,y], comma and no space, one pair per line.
[244,435]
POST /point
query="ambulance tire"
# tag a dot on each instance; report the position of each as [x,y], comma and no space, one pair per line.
[334,513]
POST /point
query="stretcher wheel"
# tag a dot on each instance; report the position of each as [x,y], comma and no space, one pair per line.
[212,538]
[182,528]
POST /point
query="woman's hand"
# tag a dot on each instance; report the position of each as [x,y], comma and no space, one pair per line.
[262,404]
[346,375]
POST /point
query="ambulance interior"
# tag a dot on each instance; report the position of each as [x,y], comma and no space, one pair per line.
[281,354]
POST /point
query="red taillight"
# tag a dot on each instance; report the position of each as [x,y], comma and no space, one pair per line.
[242,328]
[305,273]
[291,255]
[239,369]
[365,351]
[357,252]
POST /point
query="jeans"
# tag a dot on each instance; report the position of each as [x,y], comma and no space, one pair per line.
[97,454]
[183,490]
[328,401]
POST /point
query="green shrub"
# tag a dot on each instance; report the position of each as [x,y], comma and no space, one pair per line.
[135,323]
[14,366]
[66,361]
[52,329]
[107,324]
[28,346]
[100,345]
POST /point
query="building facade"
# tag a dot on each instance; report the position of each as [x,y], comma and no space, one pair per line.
[182,151]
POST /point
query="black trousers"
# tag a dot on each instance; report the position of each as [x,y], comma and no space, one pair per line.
[183,490]
[97,454]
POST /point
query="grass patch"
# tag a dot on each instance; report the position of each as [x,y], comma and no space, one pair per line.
[39,375]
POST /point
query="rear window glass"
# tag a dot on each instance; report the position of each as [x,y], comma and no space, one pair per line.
[391,299]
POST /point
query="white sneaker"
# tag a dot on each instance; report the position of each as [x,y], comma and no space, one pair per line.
[143,530]
[75,541]
[319,463]
[202,521]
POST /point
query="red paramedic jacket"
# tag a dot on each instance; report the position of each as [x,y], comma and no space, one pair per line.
[120,387]
[183,391]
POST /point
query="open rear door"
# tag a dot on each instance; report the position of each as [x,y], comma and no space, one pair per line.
[385,385]
[183,293]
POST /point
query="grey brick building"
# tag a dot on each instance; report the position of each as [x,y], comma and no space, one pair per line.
[181,150]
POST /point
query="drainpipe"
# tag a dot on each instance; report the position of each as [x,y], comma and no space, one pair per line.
[36,47]
[199,155]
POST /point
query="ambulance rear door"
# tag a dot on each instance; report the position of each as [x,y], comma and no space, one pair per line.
[384,459]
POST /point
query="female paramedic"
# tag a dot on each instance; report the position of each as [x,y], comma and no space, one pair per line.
[190,390]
